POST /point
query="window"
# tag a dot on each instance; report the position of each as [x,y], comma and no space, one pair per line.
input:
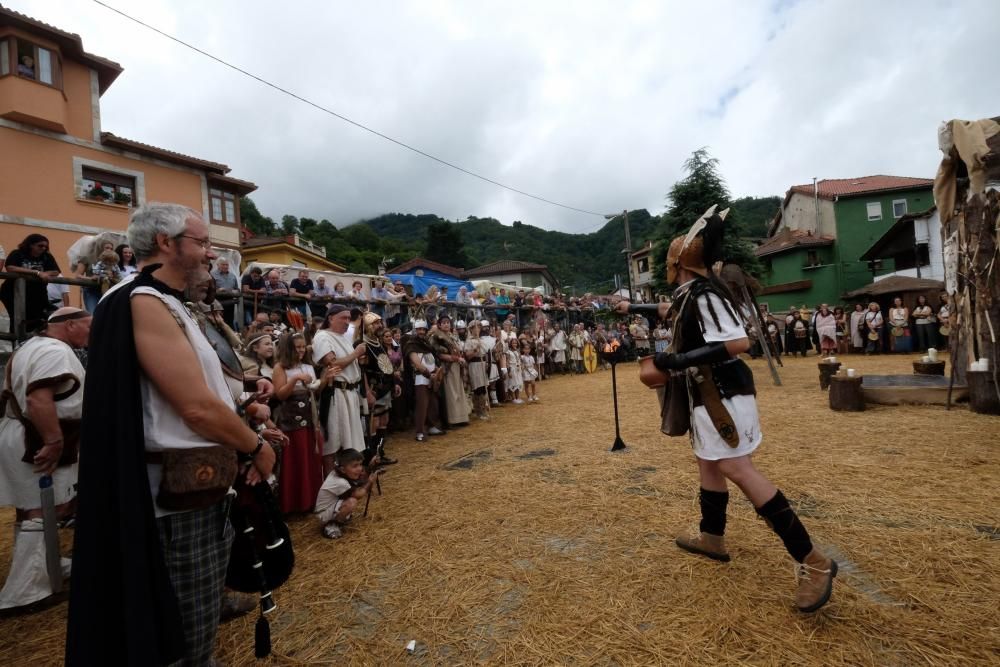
[223,205]
[30,61]
[643,264]
[811,258]
[874,211]
[116,188]
[898,208]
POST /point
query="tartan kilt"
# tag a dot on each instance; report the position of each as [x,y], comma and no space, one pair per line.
[196,549]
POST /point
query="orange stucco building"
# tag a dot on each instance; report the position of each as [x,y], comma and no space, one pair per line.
[61,175]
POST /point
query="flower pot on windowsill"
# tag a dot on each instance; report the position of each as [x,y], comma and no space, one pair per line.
[122,199]
[96,194]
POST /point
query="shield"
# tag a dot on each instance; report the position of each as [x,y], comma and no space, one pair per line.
[589,357]
[384,364]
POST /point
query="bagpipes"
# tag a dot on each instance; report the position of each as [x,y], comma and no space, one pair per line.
[262,557]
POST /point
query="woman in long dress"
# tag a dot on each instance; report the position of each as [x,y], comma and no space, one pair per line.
[857,328]
[899,321]
[301,473]
[826,329]
[477,354]
[456,403]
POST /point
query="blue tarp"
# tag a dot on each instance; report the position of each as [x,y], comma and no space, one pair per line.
[422,283]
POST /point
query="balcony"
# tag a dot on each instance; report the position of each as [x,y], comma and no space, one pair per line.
[308,245]
[33,103]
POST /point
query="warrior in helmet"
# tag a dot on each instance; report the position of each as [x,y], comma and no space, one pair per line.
[708,337]
[381,382]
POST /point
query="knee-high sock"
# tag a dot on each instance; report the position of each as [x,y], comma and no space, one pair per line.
[713,511]
[785,522]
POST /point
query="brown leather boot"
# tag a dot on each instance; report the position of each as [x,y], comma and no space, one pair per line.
[705,544]
[815,576]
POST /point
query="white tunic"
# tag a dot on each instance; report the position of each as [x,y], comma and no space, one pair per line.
[528,369]
[558,347]
[162,427]
[344,427]
[489,344]
[41,358]
[515,379]
[328,500]
[477,369]
[705,439]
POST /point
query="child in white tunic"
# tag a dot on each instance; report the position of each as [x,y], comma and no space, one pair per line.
[529,372]
[515,378]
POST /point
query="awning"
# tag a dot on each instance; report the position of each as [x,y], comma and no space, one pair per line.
[897,285]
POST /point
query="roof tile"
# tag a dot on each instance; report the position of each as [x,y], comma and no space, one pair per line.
[787,239]
[830,188]
[504,266]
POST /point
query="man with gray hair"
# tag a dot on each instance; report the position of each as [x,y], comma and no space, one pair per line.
[227,287]
[152,537]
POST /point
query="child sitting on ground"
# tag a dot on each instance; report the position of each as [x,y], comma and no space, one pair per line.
[342,489]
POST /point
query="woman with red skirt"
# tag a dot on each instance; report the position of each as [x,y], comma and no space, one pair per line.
[301,472]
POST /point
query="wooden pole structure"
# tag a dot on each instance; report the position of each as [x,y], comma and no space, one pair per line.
[970,231]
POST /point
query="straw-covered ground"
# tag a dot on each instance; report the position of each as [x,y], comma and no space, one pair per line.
[524,541]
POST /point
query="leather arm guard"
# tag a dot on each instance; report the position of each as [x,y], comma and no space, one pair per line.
[644,308]
[712,353]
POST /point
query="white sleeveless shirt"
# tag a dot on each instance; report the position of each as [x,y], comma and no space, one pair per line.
[162,427]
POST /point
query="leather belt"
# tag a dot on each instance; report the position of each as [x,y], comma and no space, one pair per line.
[347,386]
[476,359]
[732,378]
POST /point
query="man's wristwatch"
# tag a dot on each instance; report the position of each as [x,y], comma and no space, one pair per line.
[260,445]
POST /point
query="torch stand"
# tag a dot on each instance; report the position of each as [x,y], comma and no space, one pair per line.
[618,445]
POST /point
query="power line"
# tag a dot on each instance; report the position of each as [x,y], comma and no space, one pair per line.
[345,118]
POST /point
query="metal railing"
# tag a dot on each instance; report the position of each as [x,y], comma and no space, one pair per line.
[403,311]
[406,309]
[18,329]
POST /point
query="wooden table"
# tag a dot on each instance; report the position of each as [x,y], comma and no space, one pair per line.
[845,393]
[928,368]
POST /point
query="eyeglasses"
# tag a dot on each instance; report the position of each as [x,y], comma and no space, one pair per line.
[204,243]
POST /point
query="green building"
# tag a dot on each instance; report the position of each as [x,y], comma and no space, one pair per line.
[815,242]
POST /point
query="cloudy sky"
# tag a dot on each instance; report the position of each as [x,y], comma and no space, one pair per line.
[595,105]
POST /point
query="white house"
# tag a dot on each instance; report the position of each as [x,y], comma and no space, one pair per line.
[914,242]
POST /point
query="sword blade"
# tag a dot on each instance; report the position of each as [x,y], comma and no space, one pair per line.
[51,531]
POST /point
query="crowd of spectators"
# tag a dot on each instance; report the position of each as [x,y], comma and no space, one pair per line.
[860,328]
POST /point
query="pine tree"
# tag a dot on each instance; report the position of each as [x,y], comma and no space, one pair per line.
[689,198]
[445,245]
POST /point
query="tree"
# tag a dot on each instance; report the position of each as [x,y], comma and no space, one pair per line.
[254,220]
[305,224]
[289,225]
[445,245]
[361,237]
[689,198]
[756,213]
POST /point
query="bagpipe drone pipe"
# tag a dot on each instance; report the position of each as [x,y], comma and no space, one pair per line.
[262,557]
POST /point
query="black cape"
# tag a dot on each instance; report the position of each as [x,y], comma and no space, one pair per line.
[122,607]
